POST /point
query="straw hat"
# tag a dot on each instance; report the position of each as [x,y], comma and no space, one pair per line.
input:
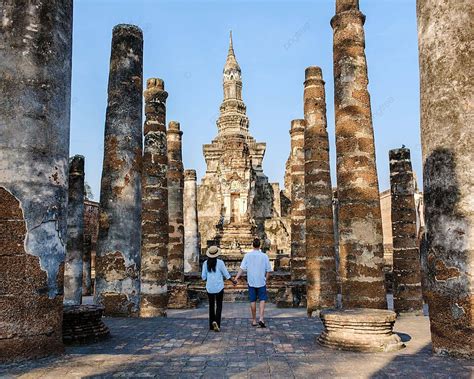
[213,252]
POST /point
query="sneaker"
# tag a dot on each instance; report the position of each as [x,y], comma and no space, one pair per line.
[216,327]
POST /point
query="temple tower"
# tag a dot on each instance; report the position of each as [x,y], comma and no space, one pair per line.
[117,283]
[234,197]
[447,133]
[155,237]
[360,222]
[35,100]
[320,253]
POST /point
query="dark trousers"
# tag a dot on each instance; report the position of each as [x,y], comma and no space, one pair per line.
[215,307]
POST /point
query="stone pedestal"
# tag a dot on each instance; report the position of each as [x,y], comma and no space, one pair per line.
[82,324]
[320,253]
[35,93]
[117,281]
[75,233]
[154,269]
[360,329]
[447,135]
[360,222]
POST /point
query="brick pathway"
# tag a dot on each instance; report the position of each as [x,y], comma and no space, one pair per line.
[182,347]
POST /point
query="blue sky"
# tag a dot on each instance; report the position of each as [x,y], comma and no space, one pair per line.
[186,45]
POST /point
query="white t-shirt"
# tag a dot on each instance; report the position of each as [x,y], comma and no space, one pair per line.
[257,264]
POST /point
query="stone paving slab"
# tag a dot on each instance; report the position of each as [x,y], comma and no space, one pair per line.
[183,347]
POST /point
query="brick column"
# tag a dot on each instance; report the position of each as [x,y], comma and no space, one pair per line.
[407,295]
[35,93]
[298,243]
[175,203]
[154,271]
[75,233]
[447,135]
[321,287]
[360,222]
[117,282]
[191,231]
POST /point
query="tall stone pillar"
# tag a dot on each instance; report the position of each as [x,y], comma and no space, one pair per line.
[35,93]
[298,243]
[175,203]
[177,289]
[321,285]
[154,271]
[360,222]
[118,246]
[86,266]
[191,231]
[447,132]
[407,295]
[75,233]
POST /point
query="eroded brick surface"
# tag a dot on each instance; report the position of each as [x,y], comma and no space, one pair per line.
[35,92]
[406,253]
[75,233]
[155,230]
[117,284]
[321,282]
[359,218]
[191,230]
[446,134]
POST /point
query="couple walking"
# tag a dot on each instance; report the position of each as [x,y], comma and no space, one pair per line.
[214,271]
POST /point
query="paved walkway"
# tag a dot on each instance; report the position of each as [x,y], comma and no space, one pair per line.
[181,346]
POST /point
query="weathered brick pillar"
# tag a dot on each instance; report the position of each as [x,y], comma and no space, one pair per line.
[298,243]
[360,223]
[175,203]
[447,135]
[321,287]
[86,266]
[117,282]
[154,271]
[407,295]
[35,93]
[191,231]
[75,233]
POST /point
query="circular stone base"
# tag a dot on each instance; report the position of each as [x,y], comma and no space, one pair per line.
[362,329]
[82,324]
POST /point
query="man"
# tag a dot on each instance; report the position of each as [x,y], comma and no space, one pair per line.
[258,268]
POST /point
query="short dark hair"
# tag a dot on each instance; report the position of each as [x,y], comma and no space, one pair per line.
[256,243]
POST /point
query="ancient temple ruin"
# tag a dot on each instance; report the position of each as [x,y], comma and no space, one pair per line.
[235,199]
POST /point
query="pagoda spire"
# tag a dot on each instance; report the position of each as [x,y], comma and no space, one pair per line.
[231,63]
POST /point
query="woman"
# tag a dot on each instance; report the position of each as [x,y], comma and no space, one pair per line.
[214,272]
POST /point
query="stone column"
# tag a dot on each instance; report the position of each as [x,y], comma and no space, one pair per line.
[447,132]
[191,231]
[75,233]
[321,285]
[360,222]
[118,245]
[298,243]
[154,271]
[86,266]
[407,295]
[35,93]
[175,203]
